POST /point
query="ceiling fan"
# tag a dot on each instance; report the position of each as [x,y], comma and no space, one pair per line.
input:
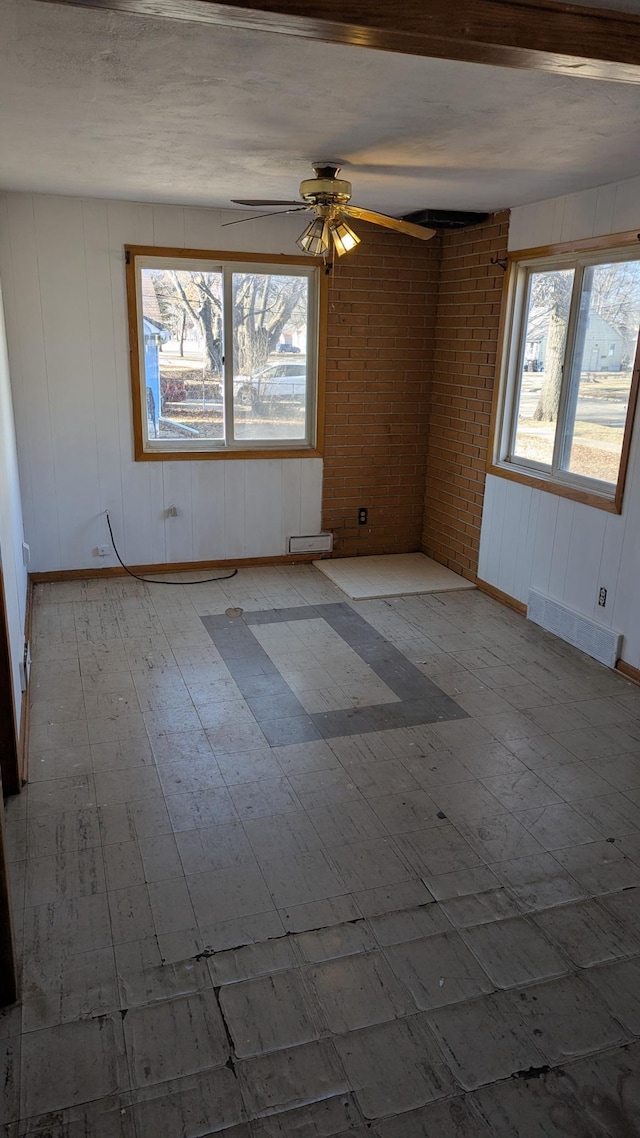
[328,197]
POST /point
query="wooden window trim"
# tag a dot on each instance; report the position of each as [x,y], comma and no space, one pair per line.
[561,489]
[584,245]
[610,503]
[228,454]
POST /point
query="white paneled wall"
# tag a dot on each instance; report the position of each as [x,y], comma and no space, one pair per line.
[533,539]
[62,268]
[592,213]
[13,569]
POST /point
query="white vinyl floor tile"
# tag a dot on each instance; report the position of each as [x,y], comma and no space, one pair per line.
[367,874]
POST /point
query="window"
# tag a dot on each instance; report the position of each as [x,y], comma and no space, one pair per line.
[225,354]
[569,387]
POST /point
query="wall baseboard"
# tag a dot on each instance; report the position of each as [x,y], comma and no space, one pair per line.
[504,598]
[23,743]
[628,671]
[170,567]
[9,725]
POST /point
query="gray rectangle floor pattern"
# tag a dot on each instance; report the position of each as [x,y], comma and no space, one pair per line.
[420,700]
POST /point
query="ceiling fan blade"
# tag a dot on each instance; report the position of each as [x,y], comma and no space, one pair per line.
[407,227]
[262,201]
[257,216]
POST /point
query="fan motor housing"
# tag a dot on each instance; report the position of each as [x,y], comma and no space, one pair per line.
[325,190]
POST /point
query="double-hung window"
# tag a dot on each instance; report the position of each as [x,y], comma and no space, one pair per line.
[569,385]
[226,354]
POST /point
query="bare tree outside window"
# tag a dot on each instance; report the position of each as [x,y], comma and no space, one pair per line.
[551,294]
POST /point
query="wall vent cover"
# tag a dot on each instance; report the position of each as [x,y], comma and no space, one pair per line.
[314,543]
[601,643]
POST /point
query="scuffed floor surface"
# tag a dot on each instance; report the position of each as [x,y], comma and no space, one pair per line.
[372,870]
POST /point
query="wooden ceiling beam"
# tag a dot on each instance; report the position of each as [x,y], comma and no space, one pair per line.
[533,35]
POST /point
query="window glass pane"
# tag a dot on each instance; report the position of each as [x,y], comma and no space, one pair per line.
[270,316]
[547,317]
[606,340]
[182,328]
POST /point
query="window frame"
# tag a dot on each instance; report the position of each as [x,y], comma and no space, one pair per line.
[138,257]
[577,255]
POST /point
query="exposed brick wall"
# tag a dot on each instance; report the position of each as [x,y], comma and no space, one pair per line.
[464,361]
[382,308]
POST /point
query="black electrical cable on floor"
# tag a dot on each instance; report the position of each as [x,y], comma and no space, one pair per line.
[153,580]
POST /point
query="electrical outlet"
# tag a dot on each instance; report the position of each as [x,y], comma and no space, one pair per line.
[602,597]
[363,514]
[102,551]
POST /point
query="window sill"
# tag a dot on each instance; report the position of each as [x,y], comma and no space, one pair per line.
[222,455]
[563,490]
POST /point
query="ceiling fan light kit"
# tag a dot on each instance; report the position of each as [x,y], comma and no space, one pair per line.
[329,196]
[315,239]
[320,232]
[344,238]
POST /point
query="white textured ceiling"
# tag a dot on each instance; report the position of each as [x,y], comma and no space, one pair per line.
[98,103]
